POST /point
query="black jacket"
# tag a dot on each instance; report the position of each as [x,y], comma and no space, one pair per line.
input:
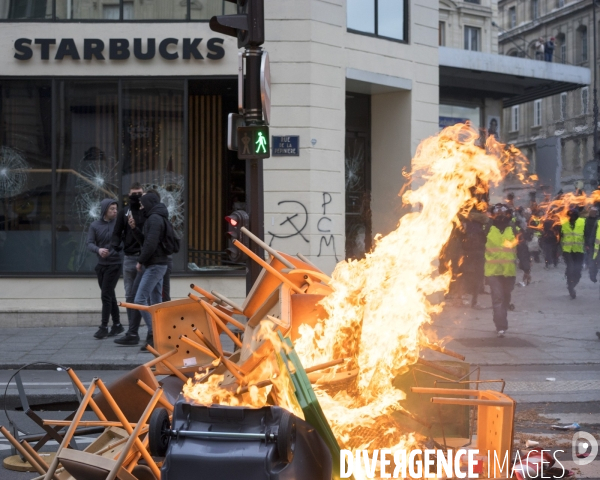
[589,232]
[124,233]
[153,232]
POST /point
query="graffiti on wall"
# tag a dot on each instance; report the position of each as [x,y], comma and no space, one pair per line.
[295,224]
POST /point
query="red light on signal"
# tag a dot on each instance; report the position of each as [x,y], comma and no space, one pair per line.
[232,221]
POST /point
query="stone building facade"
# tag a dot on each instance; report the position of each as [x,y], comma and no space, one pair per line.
[467,24]
[98,94]
[556,132]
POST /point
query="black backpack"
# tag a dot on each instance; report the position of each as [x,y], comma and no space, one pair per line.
[170,242]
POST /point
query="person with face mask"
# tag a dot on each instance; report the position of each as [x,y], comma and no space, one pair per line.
[108,267]
[124,234]
[152,261]
[572,239]
[504,245]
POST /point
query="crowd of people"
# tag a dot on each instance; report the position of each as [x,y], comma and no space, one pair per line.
[139,241]
[544,49]
[489,244]
[485,248]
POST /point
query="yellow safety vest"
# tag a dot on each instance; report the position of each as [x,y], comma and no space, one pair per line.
[572,238]
[500,253]
[597,242]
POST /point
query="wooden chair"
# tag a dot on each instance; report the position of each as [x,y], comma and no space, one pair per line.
[89,466]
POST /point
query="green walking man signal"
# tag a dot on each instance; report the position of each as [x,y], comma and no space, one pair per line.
[253,142]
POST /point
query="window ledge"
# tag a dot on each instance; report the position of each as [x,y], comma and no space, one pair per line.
[373,35]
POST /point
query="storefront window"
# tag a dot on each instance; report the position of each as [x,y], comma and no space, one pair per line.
[110,10]
[25,176]
[26,9]
[87,166]
[153,145]
[453,114]
[203,10]
[65,145]
[159,10]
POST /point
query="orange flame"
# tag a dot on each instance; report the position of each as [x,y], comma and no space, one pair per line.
[380,303]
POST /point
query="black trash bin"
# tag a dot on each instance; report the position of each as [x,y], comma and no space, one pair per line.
[229,443]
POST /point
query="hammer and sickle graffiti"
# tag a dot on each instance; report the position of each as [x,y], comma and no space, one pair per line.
[290,220]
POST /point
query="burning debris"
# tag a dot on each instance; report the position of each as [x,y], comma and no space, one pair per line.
[325,349]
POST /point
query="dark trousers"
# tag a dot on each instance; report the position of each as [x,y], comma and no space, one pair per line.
[592,266]
[473,268]
[166,290]
[551,254]
[574,263]
[501,288]
[108,276]
[131,281]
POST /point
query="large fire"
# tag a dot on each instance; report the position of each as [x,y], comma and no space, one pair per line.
[379,305]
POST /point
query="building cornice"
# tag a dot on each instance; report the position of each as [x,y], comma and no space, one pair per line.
[528,27]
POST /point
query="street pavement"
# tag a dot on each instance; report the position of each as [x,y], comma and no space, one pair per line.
[549,359]
[550,352]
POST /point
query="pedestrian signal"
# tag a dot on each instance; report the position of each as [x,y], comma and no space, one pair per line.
[253,142]
[235,222]
[248,25]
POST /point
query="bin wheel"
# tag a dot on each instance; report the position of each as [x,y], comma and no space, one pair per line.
[286,437]
[158,436]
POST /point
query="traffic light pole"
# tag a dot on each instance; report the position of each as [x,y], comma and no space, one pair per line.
[255,209]
[248,25]
[254,166]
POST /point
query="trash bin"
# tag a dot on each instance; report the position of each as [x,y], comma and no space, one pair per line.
[227,443]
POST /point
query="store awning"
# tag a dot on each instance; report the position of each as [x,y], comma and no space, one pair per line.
[467,74]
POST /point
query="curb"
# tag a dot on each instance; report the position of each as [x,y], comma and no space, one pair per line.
[74,366]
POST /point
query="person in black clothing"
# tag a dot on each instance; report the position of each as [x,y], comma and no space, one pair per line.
[166,291]
[550,240]
[589,234]
[123,233]
[473,247]
[108,267]
[549,50]
[152,261]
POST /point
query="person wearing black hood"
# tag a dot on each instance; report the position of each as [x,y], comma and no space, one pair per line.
[505,244]
[572,236]
[152,261]
[108,267]
[123,233]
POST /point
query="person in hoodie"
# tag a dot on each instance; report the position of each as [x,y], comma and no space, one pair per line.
[108,268]
[123,233]
[152,261]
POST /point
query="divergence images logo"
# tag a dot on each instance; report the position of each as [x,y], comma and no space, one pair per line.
[585,448]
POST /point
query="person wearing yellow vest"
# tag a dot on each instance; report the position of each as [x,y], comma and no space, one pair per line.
[595,256]
[572,240]
[504,244]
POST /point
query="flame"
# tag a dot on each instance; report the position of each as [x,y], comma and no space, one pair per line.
[380,304]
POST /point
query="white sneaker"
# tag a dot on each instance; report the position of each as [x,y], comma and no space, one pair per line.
[500,333]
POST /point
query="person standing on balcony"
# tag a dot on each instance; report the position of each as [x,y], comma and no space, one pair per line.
[539,48]
[549,49]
